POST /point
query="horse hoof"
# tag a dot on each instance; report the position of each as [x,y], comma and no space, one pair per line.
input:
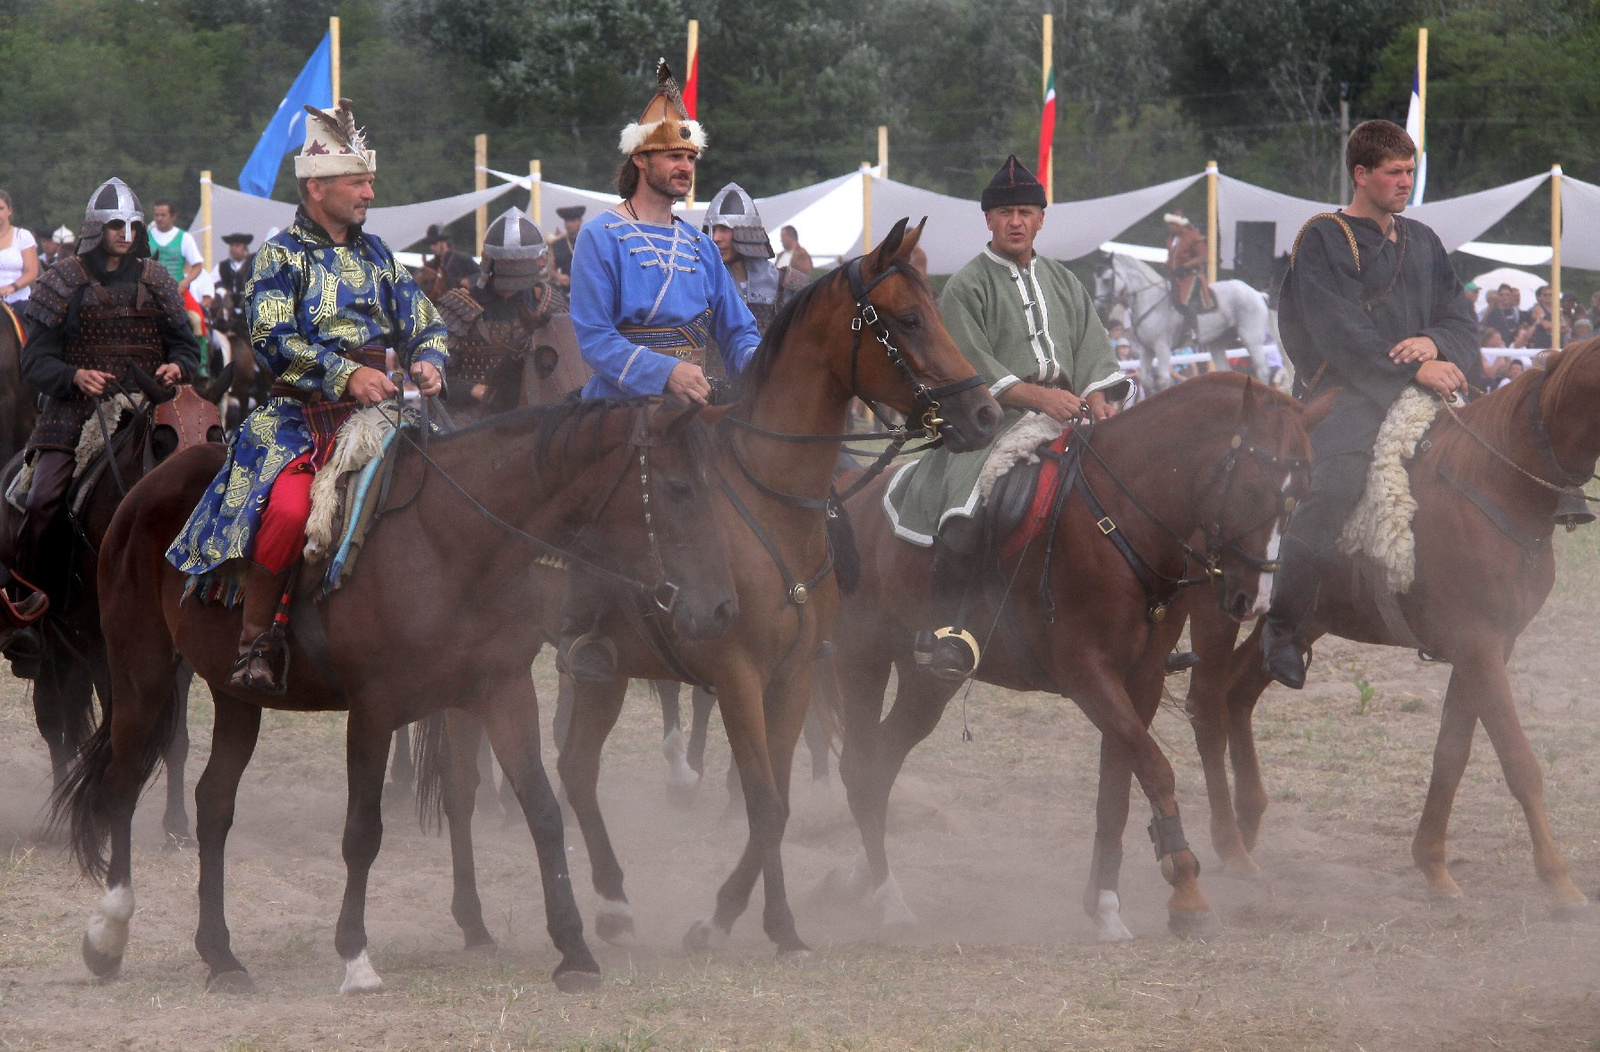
[480,942]
[613,922]
[360,977]
[101,965]
[1567,911]
[893,912]
[1241,867]
[232,982]
[1445,898]
[1187,925]
[797,954]
[702,937]
[1107,917]
[577,982]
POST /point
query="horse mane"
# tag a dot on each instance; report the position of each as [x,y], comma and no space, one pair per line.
[761,364]
[1498,417]
[559,424]
[1143,268]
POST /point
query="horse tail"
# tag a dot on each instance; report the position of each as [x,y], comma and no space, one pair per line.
[430,753]
[77,806]
[827,696]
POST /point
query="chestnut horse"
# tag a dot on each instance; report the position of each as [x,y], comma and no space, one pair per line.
[18,410]
[1478,583]
[870,329]
[71,664]
[436,616]
[1082,616]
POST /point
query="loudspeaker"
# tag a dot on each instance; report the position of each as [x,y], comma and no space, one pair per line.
[1253,245]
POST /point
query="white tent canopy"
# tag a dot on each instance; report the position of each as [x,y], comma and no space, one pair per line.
[233,212]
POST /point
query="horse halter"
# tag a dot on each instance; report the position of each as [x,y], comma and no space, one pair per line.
[1222,477]
[925,399]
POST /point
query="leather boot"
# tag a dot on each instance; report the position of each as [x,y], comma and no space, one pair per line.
[262,664]
[1294,597]
[951,652]
[581,651]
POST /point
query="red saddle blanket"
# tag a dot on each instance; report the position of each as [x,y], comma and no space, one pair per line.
[1044,494]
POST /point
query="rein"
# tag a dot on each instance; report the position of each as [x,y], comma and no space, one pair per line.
[1541,441]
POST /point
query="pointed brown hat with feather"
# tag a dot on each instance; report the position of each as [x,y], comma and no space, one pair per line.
[664,124]
[334,145]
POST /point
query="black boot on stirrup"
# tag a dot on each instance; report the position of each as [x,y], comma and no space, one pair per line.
[951,652]
[1294,596]
[263,661]
[581,651]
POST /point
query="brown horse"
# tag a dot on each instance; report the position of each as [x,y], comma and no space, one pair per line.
[870,329]
[1485,493]
[71,664]
[437,616]
[1221,457]
[18,405]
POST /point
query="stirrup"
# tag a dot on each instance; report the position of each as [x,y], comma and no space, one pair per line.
[32,606]
[947,653]
[588,658]
[270,680]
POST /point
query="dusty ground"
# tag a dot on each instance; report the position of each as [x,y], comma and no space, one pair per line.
[1335,947]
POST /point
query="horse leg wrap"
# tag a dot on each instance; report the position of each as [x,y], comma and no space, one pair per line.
[1108,867]
[1166,833]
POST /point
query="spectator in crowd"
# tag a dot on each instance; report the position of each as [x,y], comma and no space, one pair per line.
[1594,310]
[19,257]
[1569,310]
[562,244]
[1470,289]
[456,270]
[1581,330]
[1523,335]
[794,256]
[174,247]
[1515,368]
[1489,336]
[1542,314]
[64,242]
[1504,313]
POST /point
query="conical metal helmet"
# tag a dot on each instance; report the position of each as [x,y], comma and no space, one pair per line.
[112,202]
[734,208]
[512,248]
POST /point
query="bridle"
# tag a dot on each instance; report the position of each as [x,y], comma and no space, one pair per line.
[662,592]
[1200,565]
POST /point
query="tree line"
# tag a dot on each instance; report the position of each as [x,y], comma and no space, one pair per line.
[158,90]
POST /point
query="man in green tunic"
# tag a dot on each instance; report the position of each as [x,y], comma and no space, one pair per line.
[1029,327]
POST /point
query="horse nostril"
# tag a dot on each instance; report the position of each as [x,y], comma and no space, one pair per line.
[988,418]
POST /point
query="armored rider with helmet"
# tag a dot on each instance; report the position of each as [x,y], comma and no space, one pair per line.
[328,302]
[93,317]
[735,225]
[494,322]
[650,294]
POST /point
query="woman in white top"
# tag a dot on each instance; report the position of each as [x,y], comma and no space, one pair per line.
[19,256]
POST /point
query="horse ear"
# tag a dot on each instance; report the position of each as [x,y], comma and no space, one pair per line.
[681,419]
[886,252]
[213,391]
[152,389]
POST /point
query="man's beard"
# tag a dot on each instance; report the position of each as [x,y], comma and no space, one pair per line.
[661,184]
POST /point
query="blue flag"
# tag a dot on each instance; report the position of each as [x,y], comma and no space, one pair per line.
[286,131]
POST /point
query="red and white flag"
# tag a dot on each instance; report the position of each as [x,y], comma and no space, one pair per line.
[691,82]
[1047,129]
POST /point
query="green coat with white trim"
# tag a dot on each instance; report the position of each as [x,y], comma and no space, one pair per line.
[1033,324]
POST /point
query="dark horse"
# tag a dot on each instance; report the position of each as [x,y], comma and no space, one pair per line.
[18,409]
[1217,460]
[871,329]
[71,663]
[437,615]
[1486,488]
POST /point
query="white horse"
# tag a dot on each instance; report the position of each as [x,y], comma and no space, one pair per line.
[1120,278]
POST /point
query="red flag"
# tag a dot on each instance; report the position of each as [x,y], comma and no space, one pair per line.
[1047,129]
[691,83]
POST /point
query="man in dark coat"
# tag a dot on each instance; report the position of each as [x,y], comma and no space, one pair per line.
[561,245]
[1370,304]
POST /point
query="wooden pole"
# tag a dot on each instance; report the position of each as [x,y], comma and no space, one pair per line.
[866,208]
[688,70]
[1211,221]
[1344,137]
[883,151]
[1422,87]
[1048,176]
[1555,254]
[480,181]
[205,219]
[333,55]
[535,197]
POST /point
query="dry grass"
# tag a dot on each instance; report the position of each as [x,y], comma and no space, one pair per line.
[1335,948]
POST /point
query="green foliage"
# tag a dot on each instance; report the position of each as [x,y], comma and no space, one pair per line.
[157,90]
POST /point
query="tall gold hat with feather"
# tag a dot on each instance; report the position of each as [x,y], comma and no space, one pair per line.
[334,145]
[664,124]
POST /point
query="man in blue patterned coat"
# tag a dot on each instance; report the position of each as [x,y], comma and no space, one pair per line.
[327,302]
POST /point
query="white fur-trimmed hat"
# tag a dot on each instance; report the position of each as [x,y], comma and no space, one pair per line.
[334,145]
[1177,218]
[664,124]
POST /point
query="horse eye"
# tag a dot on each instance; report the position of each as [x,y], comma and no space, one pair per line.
[910,321]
